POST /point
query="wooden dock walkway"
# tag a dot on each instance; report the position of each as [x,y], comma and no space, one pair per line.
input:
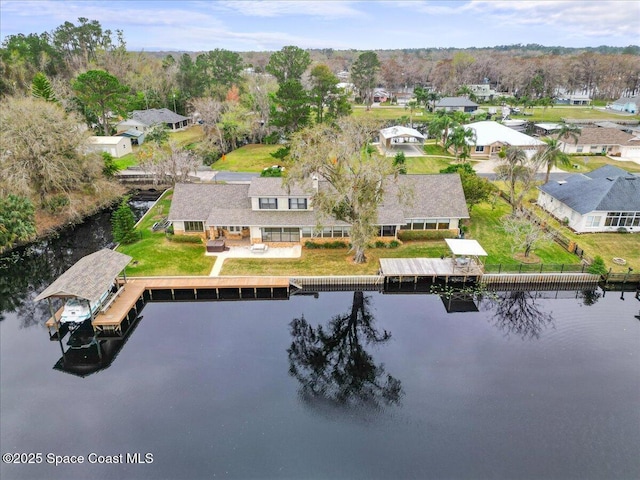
[428,267]
[141,289]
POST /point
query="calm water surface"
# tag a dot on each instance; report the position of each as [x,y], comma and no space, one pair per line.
[345,385]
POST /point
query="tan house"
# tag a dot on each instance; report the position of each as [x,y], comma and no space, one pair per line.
[491,137]
[116,146]
[606,141]
[265,212]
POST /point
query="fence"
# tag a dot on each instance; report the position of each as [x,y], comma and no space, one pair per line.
[534,268]
[339,283]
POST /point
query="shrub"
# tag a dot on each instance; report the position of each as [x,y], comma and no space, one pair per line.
[408,235]
[327,245]
[393,244]
[55,204]
[597,267]
[380,244]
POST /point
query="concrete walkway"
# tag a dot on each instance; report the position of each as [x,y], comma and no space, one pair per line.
[245,252]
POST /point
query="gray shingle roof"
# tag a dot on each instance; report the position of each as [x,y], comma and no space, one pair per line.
[194,201]
[429,196]
[455,102]
[606,189]
[601,136]
[89,277]
[272,187]
[157,115]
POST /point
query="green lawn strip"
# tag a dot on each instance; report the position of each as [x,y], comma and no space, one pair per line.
[193,134]
[557,113]
[331,262]
[591,162]
[486,228]
[126,161]
[250,158]
[421,165]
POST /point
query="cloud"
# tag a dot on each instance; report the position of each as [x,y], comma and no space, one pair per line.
[279,8]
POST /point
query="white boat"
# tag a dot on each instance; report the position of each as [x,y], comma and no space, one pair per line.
[76,310]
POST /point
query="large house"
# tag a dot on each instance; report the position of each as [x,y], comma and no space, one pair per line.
[491,136]
[264,211]
[459,104]
[603,200]
[142,120]
[626,104]
[608,141]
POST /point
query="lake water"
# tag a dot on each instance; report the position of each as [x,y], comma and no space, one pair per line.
[338,385]
[345,385]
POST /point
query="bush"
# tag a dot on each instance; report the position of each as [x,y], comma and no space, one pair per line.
[597,267]
[380,244]
[393,244]
[55,204]
[408,235]
[328,245]
[184,238]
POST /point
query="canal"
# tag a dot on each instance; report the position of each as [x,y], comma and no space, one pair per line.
[334,385]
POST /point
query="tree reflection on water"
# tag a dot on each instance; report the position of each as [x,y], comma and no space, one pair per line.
[333,366]
[519,313]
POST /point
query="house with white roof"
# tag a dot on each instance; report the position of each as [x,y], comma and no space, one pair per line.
[491,136]
[263,211]
[626,104]
[116,146]
[604,200]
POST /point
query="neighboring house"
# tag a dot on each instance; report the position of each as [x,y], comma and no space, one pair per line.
[492,136]
[380,96]
[264,211]
[545,129]
[626,104]
[144,119]
[608,141]
[483,91]
[564,97]
[116,146]
[603,200]
[459,104]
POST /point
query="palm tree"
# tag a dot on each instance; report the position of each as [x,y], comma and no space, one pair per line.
[439,127]
[569,131]
[461,139]
[433,97]
[552,156]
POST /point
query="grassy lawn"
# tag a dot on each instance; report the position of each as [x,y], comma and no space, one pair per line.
[417,165]
[250,158]
[193,134]
[330,262]
[486,228]
[589,163]
[154,255]
[388,113]
[126,161]
[557,113]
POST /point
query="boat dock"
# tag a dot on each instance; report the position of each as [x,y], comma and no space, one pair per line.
[132,295]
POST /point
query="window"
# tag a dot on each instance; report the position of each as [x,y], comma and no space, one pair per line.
[193,227]
[579,149]
[268,203]
[593,221]
[280,234]
[479,148]
[233,229]
[297,204]
[388,231]
[307,232]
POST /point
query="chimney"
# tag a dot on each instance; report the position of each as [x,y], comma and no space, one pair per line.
[314,182]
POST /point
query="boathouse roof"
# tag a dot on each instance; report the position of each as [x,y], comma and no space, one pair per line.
[89,277]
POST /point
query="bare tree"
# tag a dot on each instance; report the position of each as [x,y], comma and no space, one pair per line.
[525,234]
[171,162]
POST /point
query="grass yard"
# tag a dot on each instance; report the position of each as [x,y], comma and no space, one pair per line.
[126,161]
[486,228]
[557,113]
[250,158]
[589,163]
[193,134]
[416,165]
[330,262]
[388,113]
[155,255]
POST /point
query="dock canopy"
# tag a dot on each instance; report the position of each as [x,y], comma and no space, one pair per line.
[394,135]
[89,277]
[465,248]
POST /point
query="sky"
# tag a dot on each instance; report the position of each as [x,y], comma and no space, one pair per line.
[153,25]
